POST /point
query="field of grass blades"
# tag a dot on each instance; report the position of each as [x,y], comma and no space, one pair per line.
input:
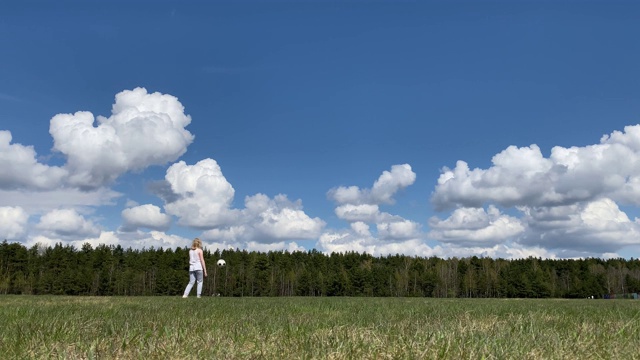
[50,327]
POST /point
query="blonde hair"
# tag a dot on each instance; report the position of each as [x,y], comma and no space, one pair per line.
[197,244]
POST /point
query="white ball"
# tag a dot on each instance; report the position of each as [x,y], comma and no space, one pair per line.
[221,263]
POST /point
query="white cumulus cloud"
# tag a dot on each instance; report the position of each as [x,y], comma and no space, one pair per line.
[135,240]
[279,218]
[205,195]
[145,216]
[597,226]
[279,246]
[66,223]
[359,238]
[524,177]
[361,207]
[396,230]
[141,239]
[567,202]
[383,190]
[475,226]
[265,220]
[143,130]
[13,222]
[205,200]
[21,170]
[362,212]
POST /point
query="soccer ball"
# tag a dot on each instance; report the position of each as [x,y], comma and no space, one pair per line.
[221,263]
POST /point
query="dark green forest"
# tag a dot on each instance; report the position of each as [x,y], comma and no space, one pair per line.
[113,270]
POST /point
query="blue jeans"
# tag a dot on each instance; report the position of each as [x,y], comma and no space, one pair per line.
[193,277]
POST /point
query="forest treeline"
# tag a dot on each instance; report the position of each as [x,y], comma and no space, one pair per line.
[113,270]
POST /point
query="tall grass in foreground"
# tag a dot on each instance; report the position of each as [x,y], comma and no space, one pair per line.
[324,328]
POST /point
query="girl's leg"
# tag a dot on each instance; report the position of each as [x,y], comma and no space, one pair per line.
[199,279]
[192,280]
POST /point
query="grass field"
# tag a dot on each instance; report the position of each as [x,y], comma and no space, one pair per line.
[316,328]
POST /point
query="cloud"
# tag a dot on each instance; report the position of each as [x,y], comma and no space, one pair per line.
[227,236]
[359,238]
[13,222]
[382,191]
[66,224]
[107,238]
[265,220]
[135,240]
[279,218]
[145,216]
[391,182]
[524,177]
[205,200]
[233,244]
[597,226]
[143,130]
[279,246]
[396,230]
[21,170]
[44,201]
[157,239]
[475,226]
[363,212]
[567,203]
[361,207]
[205,195]
[509,250]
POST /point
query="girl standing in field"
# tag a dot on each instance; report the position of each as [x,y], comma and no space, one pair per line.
[196,268]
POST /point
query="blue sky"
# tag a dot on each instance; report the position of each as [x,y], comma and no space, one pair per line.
[330,125]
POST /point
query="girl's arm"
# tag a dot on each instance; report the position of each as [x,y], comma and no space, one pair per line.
[204,267]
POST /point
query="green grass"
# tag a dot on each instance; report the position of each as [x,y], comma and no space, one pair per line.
[316,328]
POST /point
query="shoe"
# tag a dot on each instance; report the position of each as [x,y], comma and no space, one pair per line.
[184,296]
[198,296]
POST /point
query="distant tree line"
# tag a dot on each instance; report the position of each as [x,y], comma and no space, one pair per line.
[113,270]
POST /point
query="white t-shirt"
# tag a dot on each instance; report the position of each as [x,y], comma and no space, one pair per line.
[194,261]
